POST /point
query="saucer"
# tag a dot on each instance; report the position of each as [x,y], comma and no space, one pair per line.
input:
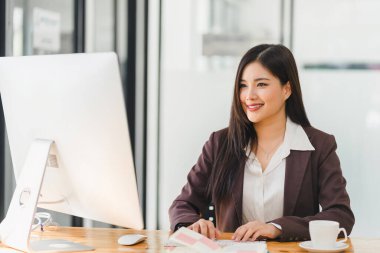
[339,247]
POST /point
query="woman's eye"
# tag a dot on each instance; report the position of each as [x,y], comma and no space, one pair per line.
[261,84]
[242,85]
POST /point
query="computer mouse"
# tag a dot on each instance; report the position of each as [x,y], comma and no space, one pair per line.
[131,239]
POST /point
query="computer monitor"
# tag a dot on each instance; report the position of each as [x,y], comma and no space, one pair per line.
[70,111]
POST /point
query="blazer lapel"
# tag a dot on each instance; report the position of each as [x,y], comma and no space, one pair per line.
[296,165]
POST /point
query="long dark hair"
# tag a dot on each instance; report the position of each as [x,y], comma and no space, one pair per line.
[280,62]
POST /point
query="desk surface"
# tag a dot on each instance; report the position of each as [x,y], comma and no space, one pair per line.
[105,240]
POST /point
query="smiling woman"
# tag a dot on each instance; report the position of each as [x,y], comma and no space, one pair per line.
[261,93]
[262,97]
[269,171]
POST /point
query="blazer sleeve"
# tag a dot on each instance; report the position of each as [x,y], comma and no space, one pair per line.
[187,207]
[333,198]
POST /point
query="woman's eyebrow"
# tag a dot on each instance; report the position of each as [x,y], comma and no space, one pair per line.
[261,79]
[257,79]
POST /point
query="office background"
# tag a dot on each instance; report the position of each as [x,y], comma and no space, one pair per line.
[178,61]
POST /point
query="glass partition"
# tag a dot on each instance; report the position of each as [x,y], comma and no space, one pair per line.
[339,63]
[38,27]
[202,42]
[42,26]
[339,58]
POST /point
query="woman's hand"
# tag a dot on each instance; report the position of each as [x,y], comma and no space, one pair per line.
[206,228]
[252,230]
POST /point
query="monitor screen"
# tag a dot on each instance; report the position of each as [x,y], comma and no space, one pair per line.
[77,101]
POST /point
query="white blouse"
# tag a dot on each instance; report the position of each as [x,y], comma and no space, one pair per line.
[263,192]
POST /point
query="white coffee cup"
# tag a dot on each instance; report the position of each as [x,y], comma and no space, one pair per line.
[324,233]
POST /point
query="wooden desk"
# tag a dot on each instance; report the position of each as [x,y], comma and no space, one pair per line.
[105,240]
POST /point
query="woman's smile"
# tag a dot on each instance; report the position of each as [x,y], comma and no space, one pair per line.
[254,107]
[262,95]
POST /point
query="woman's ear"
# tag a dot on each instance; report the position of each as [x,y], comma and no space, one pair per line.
[287,90]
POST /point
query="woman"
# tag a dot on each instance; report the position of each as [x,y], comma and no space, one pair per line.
[270,171]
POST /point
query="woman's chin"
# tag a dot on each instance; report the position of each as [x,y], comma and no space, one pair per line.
[254,119]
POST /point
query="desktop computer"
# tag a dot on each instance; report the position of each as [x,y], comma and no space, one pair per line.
[68,134]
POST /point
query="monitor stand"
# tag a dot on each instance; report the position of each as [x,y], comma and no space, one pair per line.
[16,227]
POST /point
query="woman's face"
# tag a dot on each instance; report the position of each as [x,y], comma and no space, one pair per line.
[261,94]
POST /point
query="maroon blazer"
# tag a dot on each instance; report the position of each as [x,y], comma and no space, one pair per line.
[312,178]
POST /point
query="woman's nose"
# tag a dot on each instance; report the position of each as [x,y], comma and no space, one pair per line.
[251,94]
